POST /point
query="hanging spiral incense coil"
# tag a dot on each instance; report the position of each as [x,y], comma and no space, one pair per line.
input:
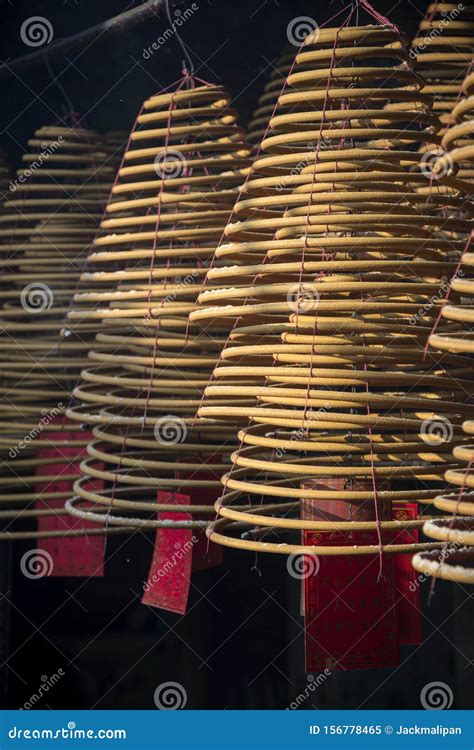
[5,183]
[455,165]
[258,125]
[49,220]
[304,154]
[443,52]
[148,368]
[450,562]
[338,282]
[5,175]
[49,223]
[302,138]
[65,178]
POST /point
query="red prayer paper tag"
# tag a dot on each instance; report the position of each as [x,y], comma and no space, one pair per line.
[206,554]
[350,615]
[81,556]
[169,577]
[407,588]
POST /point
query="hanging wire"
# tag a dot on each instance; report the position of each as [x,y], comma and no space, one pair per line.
[189,62]
[55,79]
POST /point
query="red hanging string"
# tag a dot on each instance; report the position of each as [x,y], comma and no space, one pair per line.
[378,16]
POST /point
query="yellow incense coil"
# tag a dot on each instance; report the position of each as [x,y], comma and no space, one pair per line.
[48,221]
[148,367]
[456,530]
[333,280]
[443,51]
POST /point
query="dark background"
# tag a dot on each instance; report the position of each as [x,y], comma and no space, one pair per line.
[240,645]
[233,42]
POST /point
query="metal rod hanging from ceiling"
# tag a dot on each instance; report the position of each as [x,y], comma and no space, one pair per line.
[127,20]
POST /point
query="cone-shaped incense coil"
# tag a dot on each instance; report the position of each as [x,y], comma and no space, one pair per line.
[49,219]
[299,155]
[443,52]
[337,311]
[65,174]
[175,192]
[326,125]
[258,124]
[451,562]
[455,165]
[5,175]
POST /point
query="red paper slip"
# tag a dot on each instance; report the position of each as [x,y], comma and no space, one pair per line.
[350,616]
[81,556]
[169,577]
[407,589]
